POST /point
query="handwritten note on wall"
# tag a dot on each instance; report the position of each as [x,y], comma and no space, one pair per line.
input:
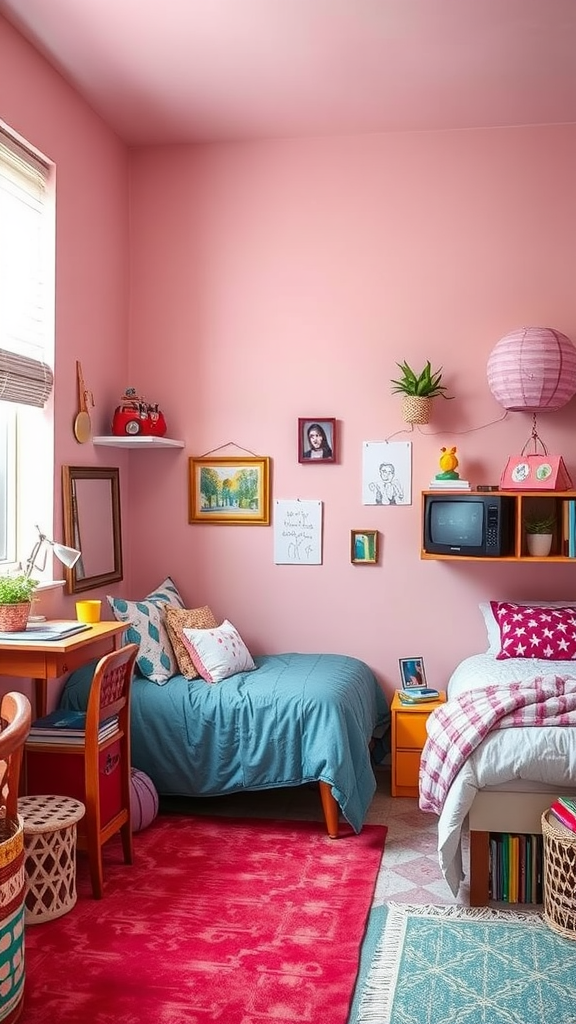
[298,532]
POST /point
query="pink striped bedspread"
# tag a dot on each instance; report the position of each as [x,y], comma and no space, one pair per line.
[456,728]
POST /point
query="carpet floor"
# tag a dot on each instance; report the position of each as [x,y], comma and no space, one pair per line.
[436,965]
[218,920]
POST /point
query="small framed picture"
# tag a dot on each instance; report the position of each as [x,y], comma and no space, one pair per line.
[364,547]
[412,673]
[316,440]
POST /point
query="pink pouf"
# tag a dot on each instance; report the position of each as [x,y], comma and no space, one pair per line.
[143,800]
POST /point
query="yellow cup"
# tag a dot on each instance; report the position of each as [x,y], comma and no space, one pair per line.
[88,611]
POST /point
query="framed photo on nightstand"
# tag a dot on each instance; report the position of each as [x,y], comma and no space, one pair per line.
[412,673]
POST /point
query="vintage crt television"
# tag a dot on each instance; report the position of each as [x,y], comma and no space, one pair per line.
[471,524]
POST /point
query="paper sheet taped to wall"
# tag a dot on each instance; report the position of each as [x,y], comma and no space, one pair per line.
[297,532]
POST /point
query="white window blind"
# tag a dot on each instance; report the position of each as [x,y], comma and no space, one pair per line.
[25,376]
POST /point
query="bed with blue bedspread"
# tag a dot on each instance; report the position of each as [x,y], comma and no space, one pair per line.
[298,718]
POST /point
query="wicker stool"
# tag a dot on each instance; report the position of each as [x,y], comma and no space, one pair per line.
[50,844]
[559,876]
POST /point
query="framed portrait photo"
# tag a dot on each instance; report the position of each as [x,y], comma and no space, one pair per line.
[235,491]
[412,673]
[364,547]
[316,440]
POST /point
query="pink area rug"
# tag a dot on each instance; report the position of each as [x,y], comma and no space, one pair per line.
[219,920]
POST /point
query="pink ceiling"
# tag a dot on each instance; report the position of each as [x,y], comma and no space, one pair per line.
[185,70]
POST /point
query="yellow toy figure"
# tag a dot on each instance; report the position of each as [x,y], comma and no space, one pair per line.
[448,464]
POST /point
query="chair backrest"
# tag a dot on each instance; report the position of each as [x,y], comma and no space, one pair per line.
[15,719]
[110,689]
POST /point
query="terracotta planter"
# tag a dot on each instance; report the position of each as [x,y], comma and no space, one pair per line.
[416,409]
[13,617]
[539,544]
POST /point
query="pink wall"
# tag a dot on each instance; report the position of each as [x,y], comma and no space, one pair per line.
[285,279]
[92,254]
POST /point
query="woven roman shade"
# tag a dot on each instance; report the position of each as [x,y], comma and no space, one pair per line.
[23,380]
[25,377]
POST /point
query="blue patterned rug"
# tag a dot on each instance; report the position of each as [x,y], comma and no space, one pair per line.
[442,965]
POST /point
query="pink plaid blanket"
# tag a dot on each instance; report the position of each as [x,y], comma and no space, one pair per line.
[456,728]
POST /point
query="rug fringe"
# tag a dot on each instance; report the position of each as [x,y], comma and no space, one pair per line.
[472,913]
[381,980]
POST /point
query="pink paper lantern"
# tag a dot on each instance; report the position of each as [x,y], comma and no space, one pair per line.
[533,368]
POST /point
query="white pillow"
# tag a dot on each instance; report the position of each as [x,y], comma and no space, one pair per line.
[217,653]
[493,629]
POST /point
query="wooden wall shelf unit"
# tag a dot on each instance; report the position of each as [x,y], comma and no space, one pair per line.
[138,442]
[541,502]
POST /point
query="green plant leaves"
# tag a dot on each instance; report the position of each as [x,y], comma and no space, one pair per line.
[426,384]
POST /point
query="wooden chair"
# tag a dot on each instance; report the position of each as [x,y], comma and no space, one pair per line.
[96,769]
[15,716]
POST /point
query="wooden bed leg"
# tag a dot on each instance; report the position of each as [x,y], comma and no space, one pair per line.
[479,868]
[330,808]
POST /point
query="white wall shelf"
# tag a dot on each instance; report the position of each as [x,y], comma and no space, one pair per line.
[139,441]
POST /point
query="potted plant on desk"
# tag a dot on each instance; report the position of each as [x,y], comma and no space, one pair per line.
[539,534]
[15,601]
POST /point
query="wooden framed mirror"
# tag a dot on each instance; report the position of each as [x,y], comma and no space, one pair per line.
[91,502]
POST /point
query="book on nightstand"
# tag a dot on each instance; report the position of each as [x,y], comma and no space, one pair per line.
[417,696]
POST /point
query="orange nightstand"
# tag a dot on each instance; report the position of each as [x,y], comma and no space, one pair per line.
[408,739]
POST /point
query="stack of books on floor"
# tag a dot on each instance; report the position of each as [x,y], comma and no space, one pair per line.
[515,867]
[564,810]
[68,727]
[450,485]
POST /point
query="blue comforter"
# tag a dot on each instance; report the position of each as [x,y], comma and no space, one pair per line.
[297,718]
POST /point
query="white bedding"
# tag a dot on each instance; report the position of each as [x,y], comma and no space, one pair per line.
[542,754]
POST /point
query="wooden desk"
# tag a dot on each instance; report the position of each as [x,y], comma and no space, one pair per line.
[43,661]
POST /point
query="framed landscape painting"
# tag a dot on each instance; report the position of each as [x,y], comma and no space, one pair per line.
[229,490]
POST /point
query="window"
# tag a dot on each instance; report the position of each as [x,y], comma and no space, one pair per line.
[27,272]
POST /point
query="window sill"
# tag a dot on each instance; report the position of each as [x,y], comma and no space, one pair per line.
[44,585]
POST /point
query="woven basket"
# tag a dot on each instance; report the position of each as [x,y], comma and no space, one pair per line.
[416,409]
[13,617]
[559,876]
[12,894]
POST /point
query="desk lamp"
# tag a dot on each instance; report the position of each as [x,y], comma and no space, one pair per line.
[68,556]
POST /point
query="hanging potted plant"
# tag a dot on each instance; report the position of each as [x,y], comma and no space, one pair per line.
[418,390]
[15,601]
[539,533]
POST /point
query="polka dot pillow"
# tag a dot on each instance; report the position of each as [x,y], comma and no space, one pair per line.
[534,631]
[217,653]
[156,659]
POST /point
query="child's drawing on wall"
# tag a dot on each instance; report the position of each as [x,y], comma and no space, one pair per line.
[387,473]
[388,489]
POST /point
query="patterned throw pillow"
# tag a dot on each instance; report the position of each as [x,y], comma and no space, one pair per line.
[534,631]
[192,618]
[218,653]
[156,660]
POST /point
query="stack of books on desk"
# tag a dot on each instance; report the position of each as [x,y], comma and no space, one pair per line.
[68,727]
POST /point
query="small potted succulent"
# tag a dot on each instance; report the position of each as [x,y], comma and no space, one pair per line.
[418,390]
[539,533]
[15,601]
